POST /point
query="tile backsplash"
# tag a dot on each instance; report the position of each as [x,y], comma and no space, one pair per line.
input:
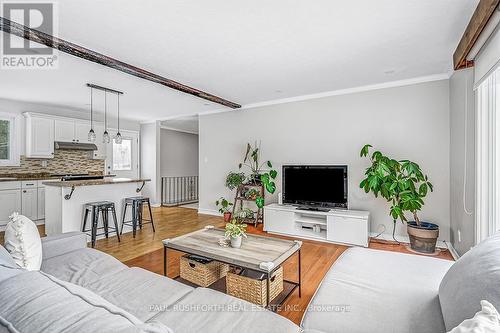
[64,161]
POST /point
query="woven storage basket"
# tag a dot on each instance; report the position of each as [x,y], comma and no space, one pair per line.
[202,274]
[253,290]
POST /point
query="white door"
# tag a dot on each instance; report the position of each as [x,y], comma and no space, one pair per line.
[82,132]
[11,202]
[41,203]
[29,205]
[40,141]
[65,130]
[122,159]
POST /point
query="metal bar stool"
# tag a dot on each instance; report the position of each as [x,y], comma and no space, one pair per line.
[137,204]
[103,207]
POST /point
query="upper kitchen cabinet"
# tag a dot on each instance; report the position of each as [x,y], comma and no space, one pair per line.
[64,130]
[69,130]
[39,136]
[82,131]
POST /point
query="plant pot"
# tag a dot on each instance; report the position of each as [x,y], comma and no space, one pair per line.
[236,242]
[227,216]
[423,237]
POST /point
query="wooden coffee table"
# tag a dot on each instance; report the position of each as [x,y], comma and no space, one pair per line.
[259,253]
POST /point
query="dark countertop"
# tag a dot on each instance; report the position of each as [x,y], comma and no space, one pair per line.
[92,182]
[23,177]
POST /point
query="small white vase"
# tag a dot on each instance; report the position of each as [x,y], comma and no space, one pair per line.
[236,242]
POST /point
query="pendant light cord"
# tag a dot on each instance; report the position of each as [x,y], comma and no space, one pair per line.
[118,113]
[105,111]
[91,108]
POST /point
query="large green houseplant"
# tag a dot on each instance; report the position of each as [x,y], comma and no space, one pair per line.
[404,186]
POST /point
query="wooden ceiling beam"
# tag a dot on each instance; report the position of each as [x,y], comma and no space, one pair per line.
[478,21]
[84,53]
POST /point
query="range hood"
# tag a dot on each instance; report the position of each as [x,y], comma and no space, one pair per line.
[75,146]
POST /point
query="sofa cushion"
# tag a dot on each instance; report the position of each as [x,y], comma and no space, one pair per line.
[8,267]
[82,266]
[209,311]
[474,277]
[6,259]
[139,291]
[378,291]
[37,302]
[486,321]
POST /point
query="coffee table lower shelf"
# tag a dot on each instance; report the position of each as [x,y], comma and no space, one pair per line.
[220,285]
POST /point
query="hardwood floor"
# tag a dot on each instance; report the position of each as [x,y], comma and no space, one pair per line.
[317,258]
[146,251]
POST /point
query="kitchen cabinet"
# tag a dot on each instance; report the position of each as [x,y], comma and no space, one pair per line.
[39,137]
[82,131]
[29,203]
[11,202]
[69,130]
[41,203]
[64,130]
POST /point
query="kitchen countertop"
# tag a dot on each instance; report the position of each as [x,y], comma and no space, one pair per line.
[28,177]
[92,182]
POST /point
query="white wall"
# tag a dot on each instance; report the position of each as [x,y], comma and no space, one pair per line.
[179,153]
[410,122]
[150,161]
[462,218]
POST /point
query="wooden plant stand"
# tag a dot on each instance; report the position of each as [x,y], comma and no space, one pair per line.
[240,198]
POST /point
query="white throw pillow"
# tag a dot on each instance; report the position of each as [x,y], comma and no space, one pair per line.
[485,321]
[22,240]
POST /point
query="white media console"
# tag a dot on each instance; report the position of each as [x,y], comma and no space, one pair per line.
[336,226]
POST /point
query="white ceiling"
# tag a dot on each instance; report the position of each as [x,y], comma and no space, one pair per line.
[244,51]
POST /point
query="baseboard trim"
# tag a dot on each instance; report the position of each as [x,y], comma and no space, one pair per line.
[405,239]
[209,212]
[452,250]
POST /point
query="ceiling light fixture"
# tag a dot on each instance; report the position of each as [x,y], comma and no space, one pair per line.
[118,137]
[105,136]
[91,135]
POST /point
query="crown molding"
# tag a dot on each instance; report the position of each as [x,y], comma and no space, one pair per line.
[378,86]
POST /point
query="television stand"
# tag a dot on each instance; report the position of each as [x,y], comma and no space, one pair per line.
[343,226]
[314,209]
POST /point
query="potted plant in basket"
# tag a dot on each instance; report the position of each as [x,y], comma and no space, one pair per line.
[224,208]
[404,186]
[235,231]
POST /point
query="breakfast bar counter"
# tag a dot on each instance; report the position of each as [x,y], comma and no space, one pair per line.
[65,200]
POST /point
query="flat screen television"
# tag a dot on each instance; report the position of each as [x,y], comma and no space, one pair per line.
[317,187]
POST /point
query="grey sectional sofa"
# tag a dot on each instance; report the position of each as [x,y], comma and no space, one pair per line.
[377,291]
[84,290]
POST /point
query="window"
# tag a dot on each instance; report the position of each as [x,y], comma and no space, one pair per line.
[488,157]
[122,155]
[8,142]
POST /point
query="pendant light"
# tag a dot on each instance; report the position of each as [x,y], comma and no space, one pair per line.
[118,137]
[91,135]
[105,136]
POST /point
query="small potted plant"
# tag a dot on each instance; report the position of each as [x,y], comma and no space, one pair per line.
[235,231]
[245,213]
[251,194]
[224,208]
[234,180]
[404,186]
